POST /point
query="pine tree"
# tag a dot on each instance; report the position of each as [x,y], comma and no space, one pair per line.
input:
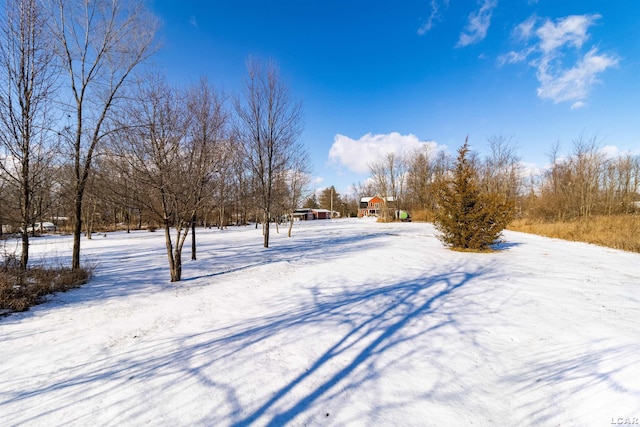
[467,218]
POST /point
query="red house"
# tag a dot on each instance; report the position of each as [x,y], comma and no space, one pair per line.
[372,206]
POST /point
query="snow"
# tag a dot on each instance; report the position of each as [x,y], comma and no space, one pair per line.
[349,322]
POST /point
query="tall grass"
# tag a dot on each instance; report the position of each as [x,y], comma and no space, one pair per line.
[616,231]
[422,215]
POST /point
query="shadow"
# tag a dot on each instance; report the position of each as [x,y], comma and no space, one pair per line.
[369,332]
[569,373]
[373,335]
[246,256]
[122,269]
[504,246]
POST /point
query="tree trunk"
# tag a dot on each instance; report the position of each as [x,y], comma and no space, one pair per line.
[77,231]
[290,226]
[26,208]
[175,275]
[128,216]
[193,237]
[265,229]
[26,212]
[24,256]
[89,222]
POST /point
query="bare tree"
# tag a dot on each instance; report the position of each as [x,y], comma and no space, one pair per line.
[587,183]
[389,177]
[500,171]
[99,43]
[209,152]
[170,149]
[625,183]
[152,147]
[27,85]
[296,181]
[238,183]
[554,199]
[268,127]
[121,189]
[587,162]
[419,178]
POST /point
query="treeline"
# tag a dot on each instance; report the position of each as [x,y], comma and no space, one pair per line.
[584,183]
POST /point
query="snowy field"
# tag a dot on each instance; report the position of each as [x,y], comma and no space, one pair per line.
[347,323]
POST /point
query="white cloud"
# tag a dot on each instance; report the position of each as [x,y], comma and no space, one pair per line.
[524,30]
[479,22]
[528,170]
[514,57]
[547,46]
[573,84]
[357,155]
[193,21]
[578,104]
[613,152]
[436,15]
[571,30]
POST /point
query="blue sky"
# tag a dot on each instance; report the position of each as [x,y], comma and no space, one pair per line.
[380,76]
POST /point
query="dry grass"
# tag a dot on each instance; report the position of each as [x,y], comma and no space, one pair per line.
[20,290]
[421,215]
[619,231]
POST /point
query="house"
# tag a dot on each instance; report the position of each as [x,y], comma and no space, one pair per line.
[305,214]
[373,206]
[321,213]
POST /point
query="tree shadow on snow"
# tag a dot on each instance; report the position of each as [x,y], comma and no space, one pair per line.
[504,245]
[370,335]
[373,327]
[122,271]
[567,374]
[242,257]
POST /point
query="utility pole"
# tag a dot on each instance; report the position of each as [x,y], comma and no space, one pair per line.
[331,214]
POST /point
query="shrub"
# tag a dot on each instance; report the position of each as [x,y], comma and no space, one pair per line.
[20,289]
[467,218]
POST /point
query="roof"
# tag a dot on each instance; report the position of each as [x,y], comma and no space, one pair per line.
[368,199]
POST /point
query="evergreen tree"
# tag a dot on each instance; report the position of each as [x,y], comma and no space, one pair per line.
[311,202]
[466,217]
[329,197]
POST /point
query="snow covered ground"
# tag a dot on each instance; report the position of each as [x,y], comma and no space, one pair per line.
[347,323]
